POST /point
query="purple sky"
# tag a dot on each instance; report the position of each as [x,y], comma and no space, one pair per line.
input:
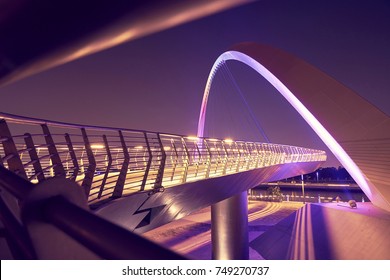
[157,82]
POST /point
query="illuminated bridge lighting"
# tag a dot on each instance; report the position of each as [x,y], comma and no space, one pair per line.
[131,161]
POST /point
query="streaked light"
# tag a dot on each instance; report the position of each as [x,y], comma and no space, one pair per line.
[167,148]
[228,141]
[138,147]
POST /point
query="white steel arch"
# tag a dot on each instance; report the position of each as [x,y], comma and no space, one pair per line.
[245,56]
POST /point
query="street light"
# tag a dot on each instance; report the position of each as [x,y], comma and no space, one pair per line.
[303,189]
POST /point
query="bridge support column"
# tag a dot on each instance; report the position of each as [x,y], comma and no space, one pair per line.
[229,228]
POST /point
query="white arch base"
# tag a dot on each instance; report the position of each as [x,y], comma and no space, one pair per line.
[305,87]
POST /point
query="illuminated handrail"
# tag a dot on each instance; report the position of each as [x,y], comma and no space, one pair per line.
[112,162]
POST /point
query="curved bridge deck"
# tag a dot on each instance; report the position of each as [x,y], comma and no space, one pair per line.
[136,179]
[111,163]
[142,179]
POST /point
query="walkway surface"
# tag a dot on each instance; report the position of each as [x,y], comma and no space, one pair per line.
[191,236]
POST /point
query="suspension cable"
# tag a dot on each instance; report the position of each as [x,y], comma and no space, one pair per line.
[243,99]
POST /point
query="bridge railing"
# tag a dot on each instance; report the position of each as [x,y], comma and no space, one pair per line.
[112,162]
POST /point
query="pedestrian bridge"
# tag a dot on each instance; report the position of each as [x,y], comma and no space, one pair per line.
[111,163]
[136,179]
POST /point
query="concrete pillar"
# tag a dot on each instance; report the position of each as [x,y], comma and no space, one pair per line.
[229,228]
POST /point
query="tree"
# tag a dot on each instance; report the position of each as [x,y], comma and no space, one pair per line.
[275,192]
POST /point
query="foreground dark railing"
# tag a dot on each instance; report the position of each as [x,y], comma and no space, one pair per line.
[15,234]
[101,237]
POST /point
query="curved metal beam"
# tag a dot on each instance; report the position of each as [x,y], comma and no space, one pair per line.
[39,34]
[356,132]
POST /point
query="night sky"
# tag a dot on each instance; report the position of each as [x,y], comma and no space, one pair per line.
[157,82]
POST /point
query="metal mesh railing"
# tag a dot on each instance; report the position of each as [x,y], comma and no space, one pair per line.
[112,162]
